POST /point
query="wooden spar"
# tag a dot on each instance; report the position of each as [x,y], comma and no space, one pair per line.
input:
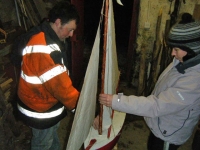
[103,62]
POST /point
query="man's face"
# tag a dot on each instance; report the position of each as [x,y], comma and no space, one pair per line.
[178,53]
[65,30]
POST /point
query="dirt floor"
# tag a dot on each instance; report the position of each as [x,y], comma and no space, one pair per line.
[134,133]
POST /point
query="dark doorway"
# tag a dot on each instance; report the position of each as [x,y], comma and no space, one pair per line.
[123,21]
[122,15]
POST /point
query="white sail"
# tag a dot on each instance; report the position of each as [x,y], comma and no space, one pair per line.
[111,125]
[85,111]
[82,130]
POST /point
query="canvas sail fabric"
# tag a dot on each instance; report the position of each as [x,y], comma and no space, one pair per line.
[82,130]
[110,84]
[85,111]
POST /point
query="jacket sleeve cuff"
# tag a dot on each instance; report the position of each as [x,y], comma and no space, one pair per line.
[73,110]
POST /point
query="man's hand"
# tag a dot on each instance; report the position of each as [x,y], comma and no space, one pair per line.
[96,123]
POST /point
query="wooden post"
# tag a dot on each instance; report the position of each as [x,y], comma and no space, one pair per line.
[142,73]
[103,62]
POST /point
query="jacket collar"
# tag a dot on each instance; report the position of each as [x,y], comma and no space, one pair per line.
[52,36]
[181,67]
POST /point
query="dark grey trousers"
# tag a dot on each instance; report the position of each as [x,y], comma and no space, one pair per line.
[155,143]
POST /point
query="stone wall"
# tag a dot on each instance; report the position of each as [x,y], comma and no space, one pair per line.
[147,25]
[149,10]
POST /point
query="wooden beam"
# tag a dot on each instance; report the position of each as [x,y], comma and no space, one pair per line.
[196,12]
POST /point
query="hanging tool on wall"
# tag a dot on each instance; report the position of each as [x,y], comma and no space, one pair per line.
[155,62]
[175,13]
[3,36]
[170,6]
[18,16]
[147,23]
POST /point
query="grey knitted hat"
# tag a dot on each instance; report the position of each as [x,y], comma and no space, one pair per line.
[185,34]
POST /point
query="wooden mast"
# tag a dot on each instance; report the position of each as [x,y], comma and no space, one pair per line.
[103,61]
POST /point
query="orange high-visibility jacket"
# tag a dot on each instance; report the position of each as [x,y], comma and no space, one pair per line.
[44,83]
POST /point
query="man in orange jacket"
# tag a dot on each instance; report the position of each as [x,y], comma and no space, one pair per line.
[45,89]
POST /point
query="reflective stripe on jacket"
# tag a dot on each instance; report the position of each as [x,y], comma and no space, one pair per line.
[44,82]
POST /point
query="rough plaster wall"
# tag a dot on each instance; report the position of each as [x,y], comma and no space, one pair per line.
[148,13]
[149,10]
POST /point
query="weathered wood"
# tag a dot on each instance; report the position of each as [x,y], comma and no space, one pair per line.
[40,5]
[28,13]
[159,62]
[103,63]
[2,85]
[155,54]
[6,88]
[5,50]
[31,13]
[14,135]
[7,95]
[166,52]
[196,12]
[3,79]
[142,71]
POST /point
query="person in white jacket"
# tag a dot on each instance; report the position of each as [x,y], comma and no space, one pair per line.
[173,108]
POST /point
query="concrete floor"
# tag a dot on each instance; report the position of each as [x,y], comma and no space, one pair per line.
[133,137]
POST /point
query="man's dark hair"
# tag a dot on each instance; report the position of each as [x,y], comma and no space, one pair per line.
[65,11]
